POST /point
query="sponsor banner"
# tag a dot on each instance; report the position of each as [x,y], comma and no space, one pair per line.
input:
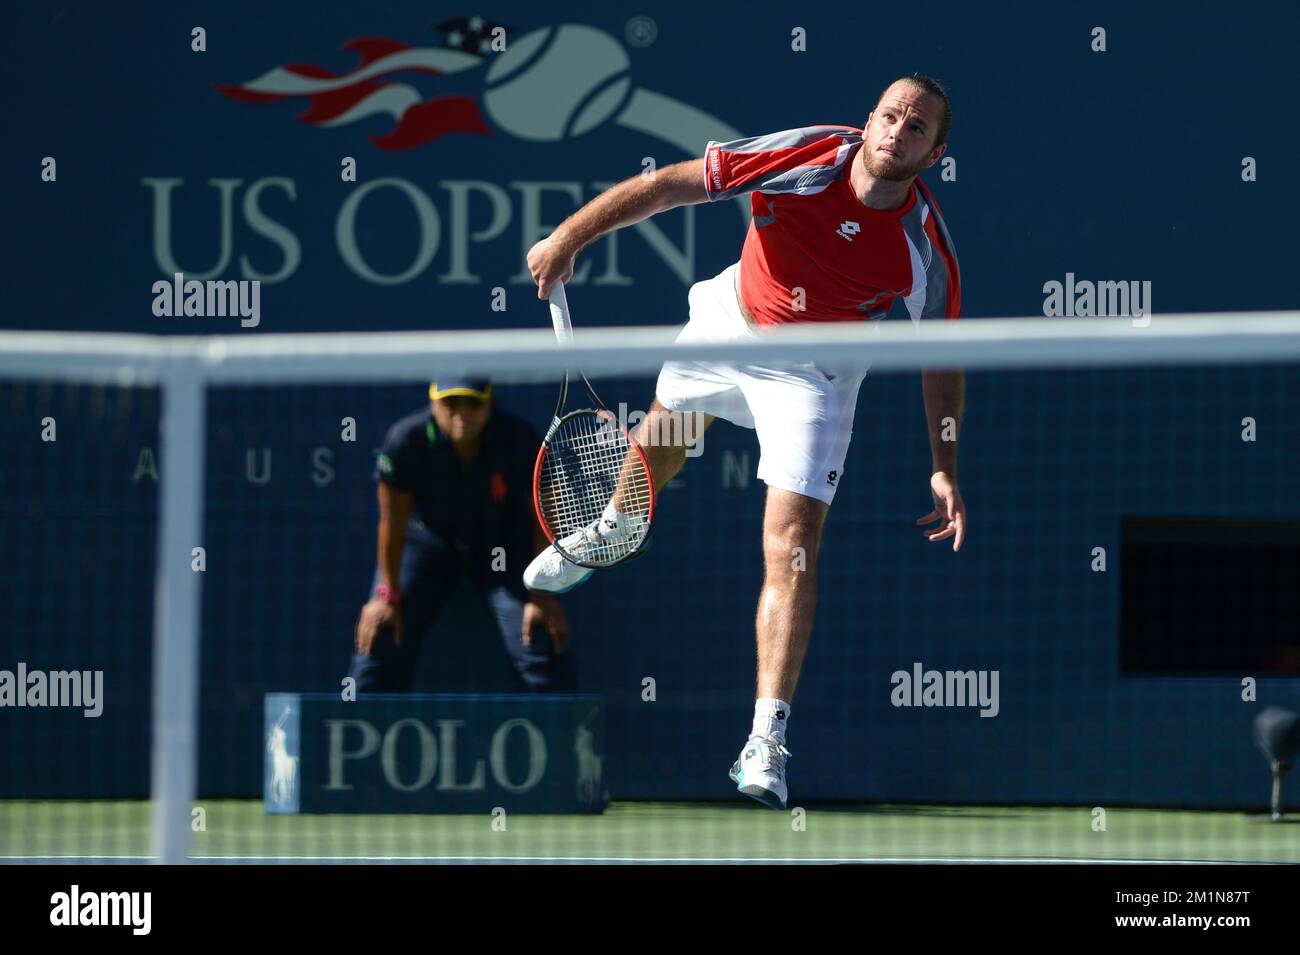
[434,753]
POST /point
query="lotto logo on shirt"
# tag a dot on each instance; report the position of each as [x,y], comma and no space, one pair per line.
[848,230]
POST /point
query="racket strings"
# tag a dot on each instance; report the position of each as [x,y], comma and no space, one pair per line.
[589,458]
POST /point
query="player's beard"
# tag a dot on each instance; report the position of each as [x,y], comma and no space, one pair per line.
[890,168]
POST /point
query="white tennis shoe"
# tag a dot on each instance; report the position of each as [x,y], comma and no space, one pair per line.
[760,771]
[552,572]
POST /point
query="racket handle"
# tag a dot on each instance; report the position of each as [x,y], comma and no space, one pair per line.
[560,314]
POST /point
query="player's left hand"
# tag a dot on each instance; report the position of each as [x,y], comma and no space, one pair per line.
[547,610]
[949,510]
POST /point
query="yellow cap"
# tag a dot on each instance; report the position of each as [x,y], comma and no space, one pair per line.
[465,387]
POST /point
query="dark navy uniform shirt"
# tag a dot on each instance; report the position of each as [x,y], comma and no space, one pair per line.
[474,507]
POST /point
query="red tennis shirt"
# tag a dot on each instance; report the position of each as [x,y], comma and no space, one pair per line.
[809,231]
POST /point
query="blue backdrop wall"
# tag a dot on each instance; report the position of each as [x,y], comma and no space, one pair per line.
[1116,165]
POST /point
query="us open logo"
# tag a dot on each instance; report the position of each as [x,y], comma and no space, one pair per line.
[528,88]
[550,84]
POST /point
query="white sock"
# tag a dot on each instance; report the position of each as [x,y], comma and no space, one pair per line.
[769,718]
[612,521]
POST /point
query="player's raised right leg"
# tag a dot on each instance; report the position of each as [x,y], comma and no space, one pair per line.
[706,389]
[550,571]
[664,437]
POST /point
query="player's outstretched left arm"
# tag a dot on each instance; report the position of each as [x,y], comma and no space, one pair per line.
[945,399]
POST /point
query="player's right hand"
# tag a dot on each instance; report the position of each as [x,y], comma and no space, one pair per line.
[550,261]
[376,615]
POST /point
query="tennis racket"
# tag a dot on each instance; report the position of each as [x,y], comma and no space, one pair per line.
[587,461]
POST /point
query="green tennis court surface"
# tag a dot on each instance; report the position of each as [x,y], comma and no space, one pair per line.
[238,830]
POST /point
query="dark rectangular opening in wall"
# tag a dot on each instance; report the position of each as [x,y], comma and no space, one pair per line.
[1209,596]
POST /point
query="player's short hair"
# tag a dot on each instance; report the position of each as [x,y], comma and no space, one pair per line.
[932,87]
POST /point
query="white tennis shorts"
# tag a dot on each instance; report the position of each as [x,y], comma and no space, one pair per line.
[802,411]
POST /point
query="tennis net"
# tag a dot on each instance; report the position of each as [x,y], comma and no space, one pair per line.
[190,530]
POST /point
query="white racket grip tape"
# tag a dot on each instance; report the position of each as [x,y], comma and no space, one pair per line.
[560,314]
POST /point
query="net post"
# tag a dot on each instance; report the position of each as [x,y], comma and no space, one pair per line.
[174,760]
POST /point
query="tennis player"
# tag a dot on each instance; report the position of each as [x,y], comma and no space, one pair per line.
[842,227]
